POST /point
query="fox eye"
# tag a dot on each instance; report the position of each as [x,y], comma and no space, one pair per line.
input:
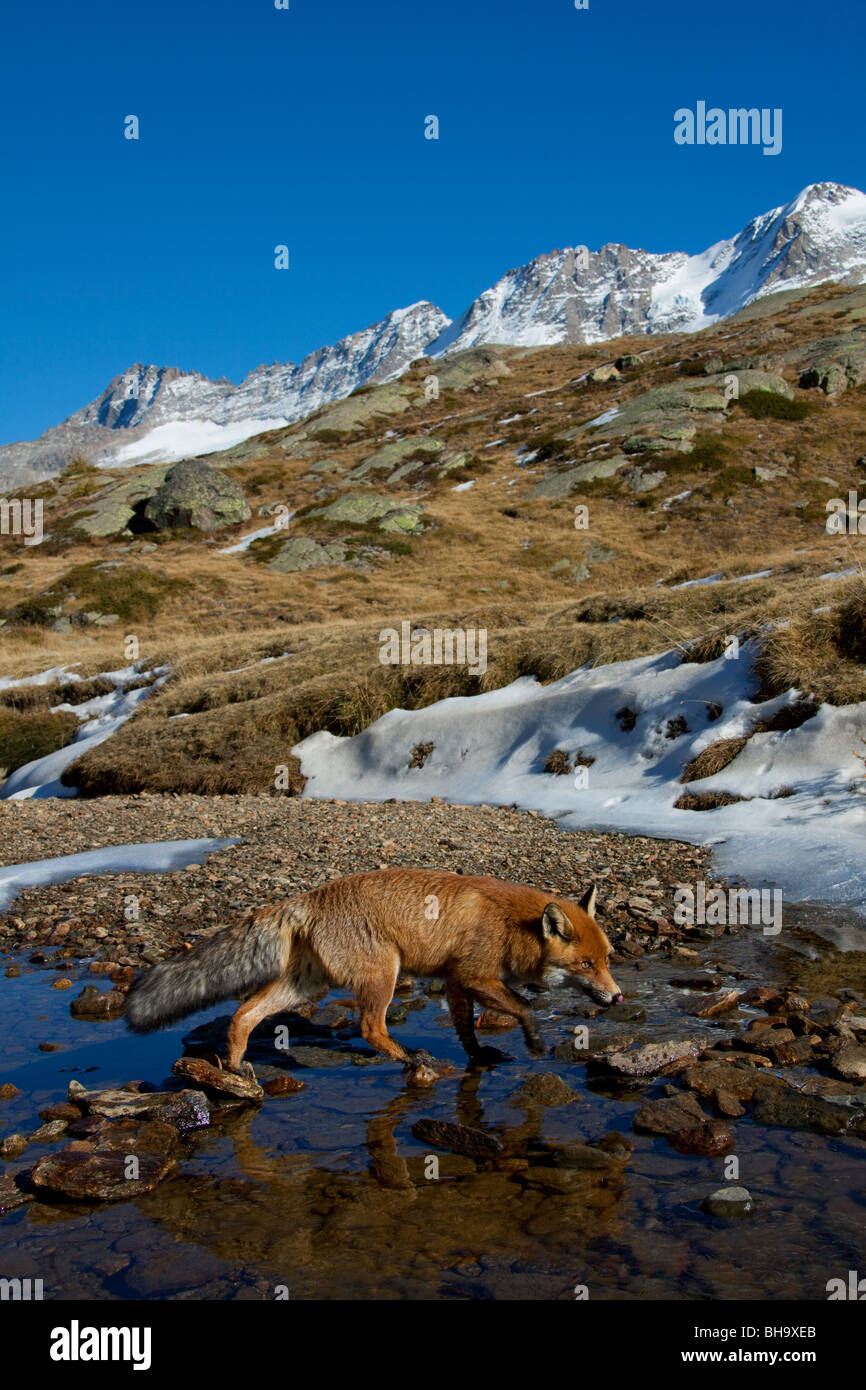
[586,965]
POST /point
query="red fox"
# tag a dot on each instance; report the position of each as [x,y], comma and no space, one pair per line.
[357,933]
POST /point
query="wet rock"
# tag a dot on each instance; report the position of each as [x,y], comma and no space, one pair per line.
[456,1138]
[96,1003]
[759,996]
[556,1181]
[283,1086]
[8,1091]
[217,1081]
[625,1013]
[12,1146]
[785,1107]
[50,1047]
[789,1053]
[12,1193]
[616,1144]
[47,1133]
[710,1005]
[490,1021]
[729,1202]
[545,1088]
[61,984]
[183,1109]
[102,1170]
[700,980]
[849,1062]
[568,1051]
[649,1060]
[685,1124]
[727,1104]
[826,1013]
[588,1157]
[422,1075]
[64,1111]
[711,1139]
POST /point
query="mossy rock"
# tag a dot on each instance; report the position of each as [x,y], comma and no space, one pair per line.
[109,512]
[367,508]
[345,418]
[563,484]
[304,553]
[197,496]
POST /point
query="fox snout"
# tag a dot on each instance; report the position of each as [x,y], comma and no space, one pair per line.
[603,988]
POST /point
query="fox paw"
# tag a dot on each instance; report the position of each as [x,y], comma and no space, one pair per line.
[536,1047]
[244,1069]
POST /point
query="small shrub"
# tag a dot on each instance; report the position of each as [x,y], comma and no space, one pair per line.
[25,736]
[772,405]
[706,801]
[713,759]
[420,753]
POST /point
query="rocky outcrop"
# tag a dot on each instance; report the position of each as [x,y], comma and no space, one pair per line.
[195,495]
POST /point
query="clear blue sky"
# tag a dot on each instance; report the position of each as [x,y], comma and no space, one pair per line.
[306,127]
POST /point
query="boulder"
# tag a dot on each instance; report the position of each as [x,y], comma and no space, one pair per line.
[195,495]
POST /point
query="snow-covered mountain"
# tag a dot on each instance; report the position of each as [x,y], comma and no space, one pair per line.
[578,296]
[568,296]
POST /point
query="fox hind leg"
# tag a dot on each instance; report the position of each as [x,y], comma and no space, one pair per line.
[303,979]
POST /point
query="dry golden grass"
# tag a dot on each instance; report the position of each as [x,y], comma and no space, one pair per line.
[488,558]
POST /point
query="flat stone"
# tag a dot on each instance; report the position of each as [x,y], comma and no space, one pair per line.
[648,1060]
[456,1138]
[11,1194]
[709,1005]
[101,1170]
[218,1081]
[849,1062]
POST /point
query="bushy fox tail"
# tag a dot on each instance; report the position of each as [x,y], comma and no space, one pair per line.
[233,963]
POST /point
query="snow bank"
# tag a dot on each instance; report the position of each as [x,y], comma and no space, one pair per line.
[159,856]
[100,718]
[492,748]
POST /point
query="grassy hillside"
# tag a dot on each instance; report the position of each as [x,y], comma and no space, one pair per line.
[460,511]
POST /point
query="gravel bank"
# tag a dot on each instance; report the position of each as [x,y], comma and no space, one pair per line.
[290,845]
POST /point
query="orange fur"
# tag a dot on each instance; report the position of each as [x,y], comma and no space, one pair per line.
[478,934]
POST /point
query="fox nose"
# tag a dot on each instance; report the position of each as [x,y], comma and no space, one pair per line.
[617,999]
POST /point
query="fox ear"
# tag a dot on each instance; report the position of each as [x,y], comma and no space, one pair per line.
[587,902]
[555,923]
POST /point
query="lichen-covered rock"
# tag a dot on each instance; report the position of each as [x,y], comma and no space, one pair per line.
[567,482]
[360,509]
[108,512]
[304,553]
[195,495]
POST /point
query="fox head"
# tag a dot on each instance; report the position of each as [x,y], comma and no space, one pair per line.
[575,943]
